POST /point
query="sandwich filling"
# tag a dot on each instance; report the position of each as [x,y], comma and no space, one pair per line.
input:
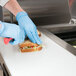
[31,47]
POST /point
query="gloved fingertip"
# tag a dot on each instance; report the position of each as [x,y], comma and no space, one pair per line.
[13,43]
[39,42]
[33,41]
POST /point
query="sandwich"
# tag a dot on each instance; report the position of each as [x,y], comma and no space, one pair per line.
[28,46]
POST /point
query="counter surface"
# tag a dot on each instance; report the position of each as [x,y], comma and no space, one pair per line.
[52,60]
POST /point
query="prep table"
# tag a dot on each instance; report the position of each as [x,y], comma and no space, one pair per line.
[52,60]
[57,58]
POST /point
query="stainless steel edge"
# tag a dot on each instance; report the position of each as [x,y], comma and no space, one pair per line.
[59,28]
[1,14]
[7,70]
[1,71]
[57,25]
[59,41]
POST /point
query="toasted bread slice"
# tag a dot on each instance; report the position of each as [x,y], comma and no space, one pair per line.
[28,43]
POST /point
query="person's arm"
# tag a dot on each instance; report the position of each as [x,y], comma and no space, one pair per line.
[11,30]
[13,7]
[24,21]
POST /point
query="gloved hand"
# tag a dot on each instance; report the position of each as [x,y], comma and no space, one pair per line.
[29,27]
[12,31]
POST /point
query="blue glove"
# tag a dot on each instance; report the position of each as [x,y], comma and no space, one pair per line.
[29,27]
[12,31]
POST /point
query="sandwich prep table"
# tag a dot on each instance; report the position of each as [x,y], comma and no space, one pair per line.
[57,58]
[52,60]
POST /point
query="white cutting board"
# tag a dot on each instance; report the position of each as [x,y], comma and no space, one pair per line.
[52,60]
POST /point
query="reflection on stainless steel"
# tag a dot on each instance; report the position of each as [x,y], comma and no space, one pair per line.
[53,30]
[60,28]
[73,8]
[45,12]
[1,14]
[1,71]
